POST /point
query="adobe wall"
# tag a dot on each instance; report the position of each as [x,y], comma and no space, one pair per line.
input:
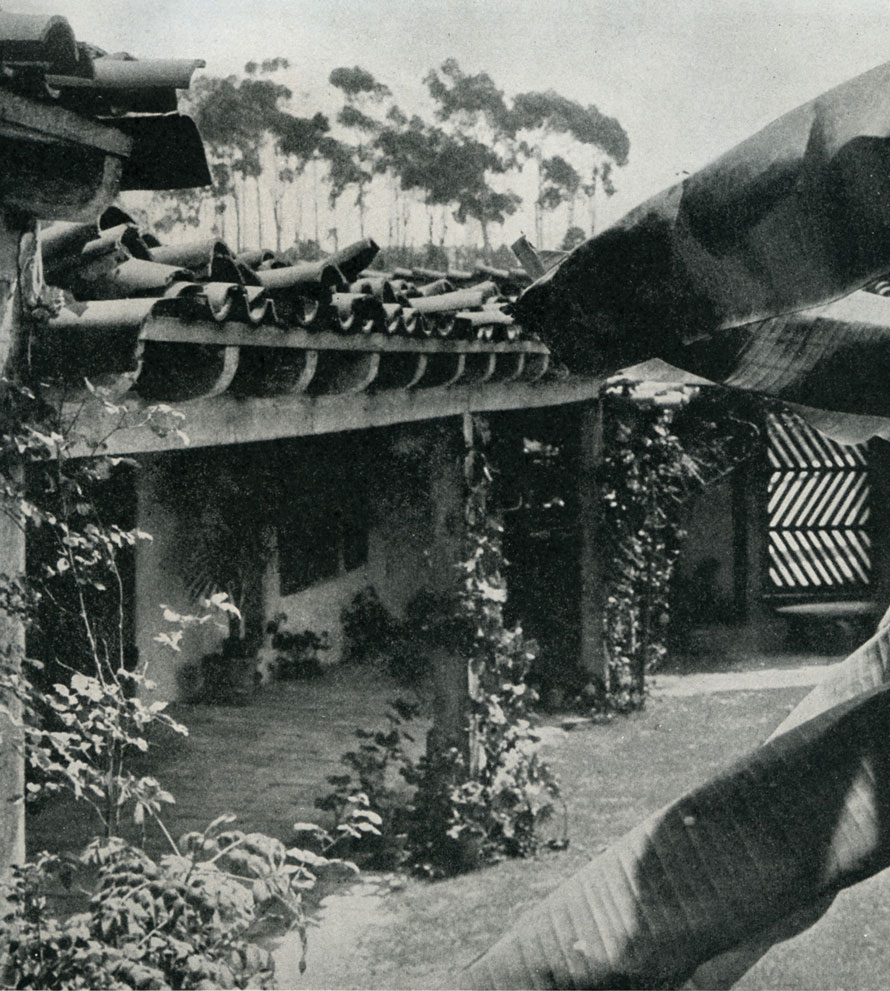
[159,582]
[707,554]
[413,541]
[413,482]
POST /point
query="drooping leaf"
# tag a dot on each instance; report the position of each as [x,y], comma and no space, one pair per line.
[757,851]
[865,669]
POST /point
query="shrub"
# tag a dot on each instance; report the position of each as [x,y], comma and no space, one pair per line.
[190,919]
[375,636]
[369,628]
[297,654]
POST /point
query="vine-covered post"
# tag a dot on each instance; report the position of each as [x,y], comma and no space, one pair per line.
[453,677]
[16,249]
[592,558]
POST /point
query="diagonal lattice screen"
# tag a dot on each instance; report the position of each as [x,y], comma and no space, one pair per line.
[818,506]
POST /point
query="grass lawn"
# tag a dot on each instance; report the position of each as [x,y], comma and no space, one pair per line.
[421,934]
[268,761]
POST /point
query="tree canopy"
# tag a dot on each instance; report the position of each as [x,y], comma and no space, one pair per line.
[461,160]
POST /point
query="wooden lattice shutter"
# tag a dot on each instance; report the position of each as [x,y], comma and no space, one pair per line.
[818,508]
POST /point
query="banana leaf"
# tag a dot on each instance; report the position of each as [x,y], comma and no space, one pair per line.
[700,890]
[792,217]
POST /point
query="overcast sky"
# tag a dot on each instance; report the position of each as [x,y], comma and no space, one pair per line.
[686,78]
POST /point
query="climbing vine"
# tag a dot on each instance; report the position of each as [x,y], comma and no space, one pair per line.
[660,450]
[489,799]
[487,794]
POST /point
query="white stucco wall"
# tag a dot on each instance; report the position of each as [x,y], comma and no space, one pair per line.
[316,608]
[412,542]
[414,533]
[710,537]
[159,582]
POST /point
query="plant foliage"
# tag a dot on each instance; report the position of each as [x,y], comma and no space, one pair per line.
[657,456]
[486,794]
[190,918]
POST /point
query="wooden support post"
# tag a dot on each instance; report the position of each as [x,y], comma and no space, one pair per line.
[12,565]
[12,763]
[593,658]
[454,683]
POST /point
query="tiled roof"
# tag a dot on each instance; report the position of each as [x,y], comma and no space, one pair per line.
[114,307]
[181,321]
[77,86]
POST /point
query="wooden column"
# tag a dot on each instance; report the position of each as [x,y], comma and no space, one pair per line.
[12,564]
[592,586]
[453,680]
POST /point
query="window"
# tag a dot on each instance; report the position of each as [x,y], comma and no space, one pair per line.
[818,511]
[323,527]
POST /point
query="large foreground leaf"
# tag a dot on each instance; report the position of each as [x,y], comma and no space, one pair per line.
[866,668]
[750,857]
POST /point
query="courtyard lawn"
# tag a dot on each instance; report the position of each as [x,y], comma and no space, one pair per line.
[420,934]
[268,761]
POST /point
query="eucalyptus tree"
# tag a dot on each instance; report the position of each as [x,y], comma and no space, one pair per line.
[297,142]
[598,143]
[234,116]
[560,183]
[475,146]
[362,118]
[408,156]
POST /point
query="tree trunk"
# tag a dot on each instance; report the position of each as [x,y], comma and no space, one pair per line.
[298,226]
[406,220]
[397,211]
[219,216]
[236,200]
[277,219]
[315,197]
[259,212]
[486,243]
[592,199]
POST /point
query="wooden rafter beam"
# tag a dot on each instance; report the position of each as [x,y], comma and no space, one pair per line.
[175,331]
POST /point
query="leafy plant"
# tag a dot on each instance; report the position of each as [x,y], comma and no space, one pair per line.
[657,457]
[103,721]
[84,714]
[380,755]
[297,654]
[646,475]
[487,798]
[370,630]
[374,635]
[192,917]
